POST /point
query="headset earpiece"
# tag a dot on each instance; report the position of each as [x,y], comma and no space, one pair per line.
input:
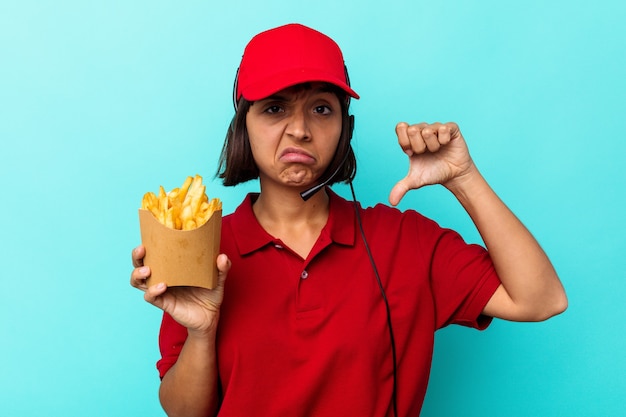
[351,127]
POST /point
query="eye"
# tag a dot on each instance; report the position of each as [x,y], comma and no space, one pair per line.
[274,108]
[323,109]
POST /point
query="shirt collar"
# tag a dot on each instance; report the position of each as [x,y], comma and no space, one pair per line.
[250,236]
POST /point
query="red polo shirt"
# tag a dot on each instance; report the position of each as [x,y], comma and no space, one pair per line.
[308,337]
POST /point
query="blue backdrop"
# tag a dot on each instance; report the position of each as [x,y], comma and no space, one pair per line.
[103,101]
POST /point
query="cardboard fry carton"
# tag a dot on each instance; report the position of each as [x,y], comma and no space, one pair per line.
[181,257]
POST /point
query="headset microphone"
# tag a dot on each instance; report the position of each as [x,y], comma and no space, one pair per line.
[306,194]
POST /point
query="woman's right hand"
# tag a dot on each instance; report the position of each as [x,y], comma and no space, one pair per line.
[195,308]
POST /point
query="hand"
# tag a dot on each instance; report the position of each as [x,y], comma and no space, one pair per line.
[437,154]
[195,308]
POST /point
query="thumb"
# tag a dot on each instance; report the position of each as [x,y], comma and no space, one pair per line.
[223,266]
[402,187]
[398,191]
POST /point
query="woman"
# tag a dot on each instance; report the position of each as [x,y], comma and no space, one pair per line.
[329,308]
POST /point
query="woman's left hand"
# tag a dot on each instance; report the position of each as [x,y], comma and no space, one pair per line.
[437,154]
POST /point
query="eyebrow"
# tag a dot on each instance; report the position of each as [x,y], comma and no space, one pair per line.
[326,89]
[274,97]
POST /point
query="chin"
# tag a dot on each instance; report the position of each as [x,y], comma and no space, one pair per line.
[298,179]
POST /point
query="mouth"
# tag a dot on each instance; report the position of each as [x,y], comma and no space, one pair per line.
[296,155]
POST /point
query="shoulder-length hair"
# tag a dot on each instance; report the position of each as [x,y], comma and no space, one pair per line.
[236,163]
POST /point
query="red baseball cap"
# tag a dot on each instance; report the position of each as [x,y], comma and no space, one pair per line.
[288,55]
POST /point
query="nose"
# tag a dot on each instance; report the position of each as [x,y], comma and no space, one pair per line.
[298,125]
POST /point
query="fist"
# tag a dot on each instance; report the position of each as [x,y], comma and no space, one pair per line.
[437,154]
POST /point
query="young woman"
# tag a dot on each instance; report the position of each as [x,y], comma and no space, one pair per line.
[330,308]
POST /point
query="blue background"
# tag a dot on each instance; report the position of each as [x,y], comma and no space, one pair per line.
[101,101]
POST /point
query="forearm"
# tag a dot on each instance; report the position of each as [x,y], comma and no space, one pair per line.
[189,388]
[531,289]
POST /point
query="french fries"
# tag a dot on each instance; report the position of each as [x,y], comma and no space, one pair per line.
[184,208]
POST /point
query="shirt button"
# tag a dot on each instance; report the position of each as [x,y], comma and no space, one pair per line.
[277,246]
[304,274]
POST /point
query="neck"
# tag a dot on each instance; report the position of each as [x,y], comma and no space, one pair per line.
[287,206]
[286,216]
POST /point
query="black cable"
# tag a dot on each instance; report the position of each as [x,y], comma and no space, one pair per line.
[382,291]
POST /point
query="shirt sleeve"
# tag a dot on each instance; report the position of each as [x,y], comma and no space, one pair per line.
[171,340]
[463,280]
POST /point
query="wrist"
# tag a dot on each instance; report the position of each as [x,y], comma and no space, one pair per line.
[467,184]
[205,333]
[201,335]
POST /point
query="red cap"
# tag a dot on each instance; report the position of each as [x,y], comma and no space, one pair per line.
[288,55]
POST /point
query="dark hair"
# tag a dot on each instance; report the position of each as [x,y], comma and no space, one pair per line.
[236,164]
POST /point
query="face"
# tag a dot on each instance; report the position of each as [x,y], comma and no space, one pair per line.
[294,134]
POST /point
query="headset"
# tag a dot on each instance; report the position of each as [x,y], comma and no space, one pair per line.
[235,104]
[306,194]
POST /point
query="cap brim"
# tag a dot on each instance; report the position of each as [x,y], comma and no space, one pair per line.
[271,85]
